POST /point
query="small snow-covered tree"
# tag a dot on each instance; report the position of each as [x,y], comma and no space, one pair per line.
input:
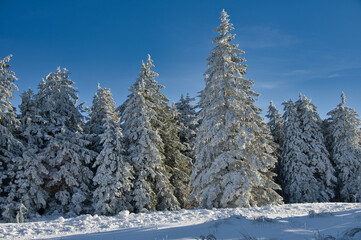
[318,156]
[10,146]
[188,124]
[343,128]
[65,148]
[233,147]
[113,176]
[141,121]
[275,123]
[103,103]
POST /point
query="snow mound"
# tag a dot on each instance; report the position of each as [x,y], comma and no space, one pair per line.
[290,221]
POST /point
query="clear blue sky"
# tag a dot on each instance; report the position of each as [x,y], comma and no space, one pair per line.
[313,47]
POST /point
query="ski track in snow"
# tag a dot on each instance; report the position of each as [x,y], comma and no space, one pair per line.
[290,221]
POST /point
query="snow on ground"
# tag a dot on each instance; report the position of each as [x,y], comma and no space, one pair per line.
[290,221]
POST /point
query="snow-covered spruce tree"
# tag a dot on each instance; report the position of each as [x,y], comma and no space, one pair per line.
[152,189]
[327,135]
[275,123]
[10,146]
[318,156]
[306,171]
[102,105]
[295,173]
[345,134]
[178,164]
[233,147]
[65,148]
[188,124]
[113,176]
[29,188]
[276,126]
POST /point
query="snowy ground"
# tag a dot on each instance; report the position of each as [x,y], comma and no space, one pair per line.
[295,221]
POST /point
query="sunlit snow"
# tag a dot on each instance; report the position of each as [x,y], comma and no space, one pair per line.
[290,221]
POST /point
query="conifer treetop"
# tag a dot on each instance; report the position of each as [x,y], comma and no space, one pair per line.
[225,25]
[146,69]
[7,79]
[275,123]
[226,53]
[343,99]
[272,111]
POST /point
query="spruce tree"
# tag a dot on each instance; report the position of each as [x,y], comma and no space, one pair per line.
[327,135]
[317,153]
[178,164]
[102,104]
[142,124]
[32,171]
[113,176]
[188,124]
[295,174]
[275,123]
[306,170]
[65,148]
[234,152]
[343,128]
[10,146]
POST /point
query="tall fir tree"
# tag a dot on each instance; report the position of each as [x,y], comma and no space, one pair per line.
[344,133]
[10,146]
[65,148]
[233,147]
[114,174]
[188,124]
[143,126]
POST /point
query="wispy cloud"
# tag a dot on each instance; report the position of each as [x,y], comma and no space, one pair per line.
[321,73]
[267,85]
[296,72]
[334,75]
[301,75]
[265,37]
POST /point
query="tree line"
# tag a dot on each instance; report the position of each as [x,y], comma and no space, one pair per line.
[148,154]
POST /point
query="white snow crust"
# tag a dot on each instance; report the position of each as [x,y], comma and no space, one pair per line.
[289,221]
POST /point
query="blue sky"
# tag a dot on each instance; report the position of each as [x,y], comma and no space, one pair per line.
[313,47]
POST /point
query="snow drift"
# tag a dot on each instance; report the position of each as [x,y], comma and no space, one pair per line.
[290,221]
